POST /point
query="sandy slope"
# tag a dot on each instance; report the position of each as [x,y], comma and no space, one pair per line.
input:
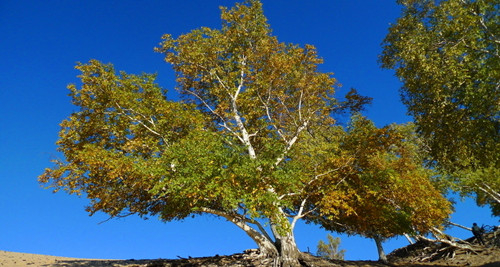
[13,259]
[25,259]
[487,258]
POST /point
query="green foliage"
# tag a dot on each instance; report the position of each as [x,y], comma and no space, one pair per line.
[447,55]
[330,250]
[483,183]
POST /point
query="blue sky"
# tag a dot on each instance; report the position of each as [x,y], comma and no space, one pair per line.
[40,42]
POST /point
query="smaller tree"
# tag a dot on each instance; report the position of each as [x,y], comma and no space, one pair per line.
[385,190]
[330,250]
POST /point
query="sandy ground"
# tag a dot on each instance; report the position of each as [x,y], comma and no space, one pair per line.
[13,259]
[26,259]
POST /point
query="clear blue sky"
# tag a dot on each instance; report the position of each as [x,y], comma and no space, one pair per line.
[40,42]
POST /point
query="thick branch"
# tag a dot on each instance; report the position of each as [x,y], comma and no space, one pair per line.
[242,222]
[291,143]
[458,225]
[299,213]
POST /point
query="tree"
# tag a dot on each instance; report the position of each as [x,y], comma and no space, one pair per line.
[446,53]
[385,190]
[330,250]
[224,150]
[252,141]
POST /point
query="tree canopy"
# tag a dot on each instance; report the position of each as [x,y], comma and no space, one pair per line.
[381,177]
[446,53]
[253,140]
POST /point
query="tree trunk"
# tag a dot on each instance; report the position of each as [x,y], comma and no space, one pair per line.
[289,253]
[381,254]
[283,250]
[268,250]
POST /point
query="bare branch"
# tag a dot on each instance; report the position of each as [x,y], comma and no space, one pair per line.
[458,225]
[116,216]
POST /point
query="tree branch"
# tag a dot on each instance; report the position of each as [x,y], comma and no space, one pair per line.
[245,136]
[291,143]
[122,111]
[241,221]
[490,192]
[458,225]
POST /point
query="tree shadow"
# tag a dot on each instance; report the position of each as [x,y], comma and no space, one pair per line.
[218,262]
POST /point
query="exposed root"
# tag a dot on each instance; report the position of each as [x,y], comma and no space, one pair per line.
[447,251]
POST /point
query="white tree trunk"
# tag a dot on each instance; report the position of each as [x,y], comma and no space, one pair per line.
[289,253]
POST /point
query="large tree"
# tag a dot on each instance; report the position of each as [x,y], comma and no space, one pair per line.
[252,141]
[447,54]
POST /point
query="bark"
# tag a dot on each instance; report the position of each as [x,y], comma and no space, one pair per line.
[461,226]
[409,239]
[289,254]
[381,254]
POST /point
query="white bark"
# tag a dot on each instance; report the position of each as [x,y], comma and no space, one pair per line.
[490,192]
[245,136]
[287,247]
[461,226]
[409,239]
[288,251]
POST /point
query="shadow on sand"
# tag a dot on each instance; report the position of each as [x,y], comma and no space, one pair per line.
[210,261]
